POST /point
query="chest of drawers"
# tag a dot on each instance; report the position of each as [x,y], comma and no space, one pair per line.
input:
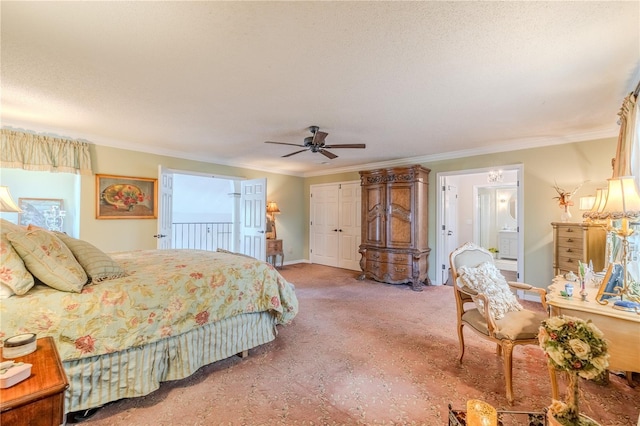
[573,242]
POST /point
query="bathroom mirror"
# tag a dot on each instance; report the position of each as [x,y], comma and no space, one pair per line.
[512,206]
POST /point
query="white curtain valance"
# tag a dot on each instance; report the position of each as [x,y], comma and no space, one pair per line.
[29,151]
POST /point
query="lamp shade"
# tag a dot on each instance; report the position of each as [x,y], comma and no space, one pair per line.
[272,207]
[6,202]
[623,200]
[586,203]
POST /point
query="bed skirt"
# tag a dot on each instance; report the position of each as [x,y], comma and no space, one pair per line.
[95,381]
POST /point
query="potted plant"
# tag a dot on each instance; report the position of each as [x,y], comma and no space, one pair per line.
[493,251]
[578,348]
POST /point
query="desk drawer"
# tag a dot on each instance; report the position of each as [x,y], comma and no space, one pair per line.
[383,256]
[274,246]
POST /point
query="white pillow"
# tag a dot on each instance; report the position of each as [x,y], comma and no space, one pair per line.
[487,279]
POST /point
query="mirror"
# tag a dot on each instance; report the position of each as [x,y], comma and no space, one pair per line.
[512,206]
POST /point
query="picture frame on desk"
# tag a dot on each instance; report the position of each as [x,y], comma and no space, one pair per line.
[611,284]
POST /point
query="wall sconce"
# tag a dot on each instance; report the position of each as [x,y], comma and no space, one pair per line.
[272,209]
[6,201]
[494,176]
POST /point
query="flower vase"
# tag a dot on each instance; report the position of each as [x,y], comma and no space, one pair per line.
[566,215]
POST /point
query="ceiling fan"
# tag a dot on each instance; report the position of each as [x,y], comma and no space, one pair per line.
[316,143]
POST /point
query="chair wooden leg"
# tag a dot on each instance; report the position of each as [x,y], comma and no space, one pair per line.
[507,350]
[461,340]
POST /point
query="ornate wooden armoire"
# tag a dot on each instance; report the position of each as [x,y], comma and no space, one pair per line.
[394,229]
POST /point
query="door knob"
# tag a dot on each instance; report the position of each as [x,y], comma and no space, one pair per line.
[158,236]
[450,233]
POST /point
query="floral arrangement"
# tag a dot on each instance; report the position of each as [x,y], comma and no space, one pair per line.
[564,196]
[577,347]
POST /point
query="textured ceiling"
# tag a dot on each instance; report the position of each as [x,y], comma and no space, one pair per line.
[213,80]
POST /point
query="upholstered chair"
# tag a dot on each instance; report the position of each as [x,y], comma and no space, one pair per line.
[486,304]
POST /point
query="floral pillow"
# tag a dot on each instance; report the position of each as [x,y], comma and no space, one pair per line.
[14,277]
[49,259]
[487,279]
[98,265]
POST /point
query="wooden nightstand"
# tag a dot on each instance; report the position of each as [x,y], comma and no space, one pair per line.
[274,248]
[39,399]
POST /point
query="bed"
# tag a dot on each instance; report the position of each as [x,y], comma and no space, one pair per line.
[148,317]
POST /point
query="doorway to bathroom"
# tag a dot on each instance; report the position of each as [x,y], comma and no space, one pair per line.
[483,206]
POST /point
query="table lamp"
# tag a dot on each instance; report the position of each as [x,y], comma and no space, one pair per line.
[272,209]
[6,201]
[623,203]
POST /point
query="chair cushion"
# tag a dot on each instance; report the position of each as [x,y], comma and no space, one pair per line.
[515,325]
[487,279]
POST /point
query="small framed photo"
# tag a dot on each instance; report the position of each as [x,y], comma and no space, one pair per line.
[36,211]
[123,197]
[611,285]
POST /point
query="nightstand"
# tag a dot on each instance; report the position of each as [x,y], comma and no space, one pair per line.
[274,249]
[39,399]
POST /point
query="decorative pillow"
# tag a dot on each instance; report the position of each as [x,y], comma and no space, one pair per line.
[98,265]
[14,277]
[487,279]
[49,259]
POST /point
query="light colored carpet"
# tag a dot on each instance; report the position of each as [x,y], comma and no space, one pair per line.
[361,353]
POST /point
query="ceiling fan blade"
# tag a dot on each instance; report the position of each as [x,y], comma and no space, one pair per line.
[347,145]
[284,143]
[294,153]
[328,154]
[319,137]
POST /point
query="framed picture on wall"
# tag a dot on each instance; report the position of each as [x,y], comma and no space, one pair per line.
[123,197]
[36,211]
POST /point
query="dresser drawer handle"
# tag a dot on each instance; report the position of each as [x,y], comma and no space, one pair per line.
[375,256]
[569,251]
[569,240]
[569,230]
[400,269]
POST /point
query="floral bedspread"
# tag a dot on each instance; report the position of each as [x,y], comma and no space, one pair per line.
[165,293]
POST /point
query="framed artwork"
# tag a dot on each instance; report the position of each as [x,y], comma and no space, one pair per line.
[611,284]
[123,197]
[35,211]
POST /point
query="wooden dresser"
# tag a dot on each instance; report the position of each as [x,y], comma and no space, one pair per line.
[573,242]
[394,245]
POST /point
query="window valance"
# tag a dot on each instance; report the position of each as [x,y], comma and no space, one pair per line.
[30,151]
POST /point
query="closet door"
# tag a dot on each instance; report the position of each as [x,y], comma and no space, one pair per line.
[350,202]
[324,238]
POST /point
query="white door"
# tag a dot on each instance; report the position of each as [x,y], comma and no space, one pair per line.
[165,207]
[350,202]
[324,225]
[450,228]
[253,204]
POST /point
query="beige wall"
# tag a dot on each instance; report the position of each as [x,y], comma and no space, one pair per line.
[568,165]
[136,234]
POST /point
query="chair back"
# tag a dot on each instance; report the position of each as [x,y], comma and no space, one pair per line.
[470,255]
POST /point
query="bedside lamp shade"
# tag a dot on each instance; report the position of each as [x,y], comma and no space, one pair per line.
[272,207]
[6,201]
